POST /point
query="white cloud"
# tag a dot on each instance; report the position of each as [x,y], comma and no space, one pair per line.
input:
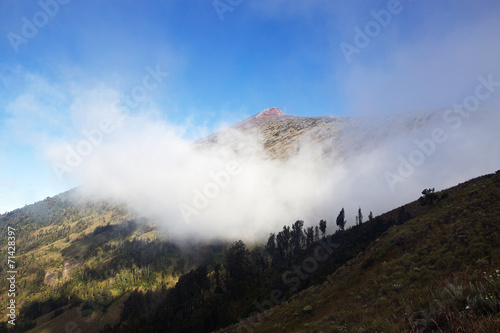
[147,163]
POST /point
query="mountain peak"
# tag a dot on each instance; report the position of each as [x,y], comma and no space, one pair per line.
[269,113]
[264,115]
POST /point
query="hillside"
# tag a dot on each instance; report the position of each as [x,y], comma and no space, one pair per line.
[99,266]
[77,261]
[436,272]
[414,267]
[343,269]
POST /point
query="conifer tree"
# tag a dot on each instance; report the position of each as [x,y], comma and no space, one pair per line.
[297,236]
[316,234]
[271,246]
[309,236]
[322,227]
[341,219]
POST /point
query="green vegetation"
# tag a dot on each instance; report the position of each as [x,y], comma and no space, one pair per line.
[430,265]
[253,280]
[439,271]
[87,255]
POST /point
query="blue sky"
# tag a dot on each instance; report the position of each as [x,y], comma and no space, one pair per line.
[225,60]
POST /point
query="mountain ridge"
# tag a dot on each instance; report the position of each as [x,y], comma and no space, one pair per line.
[466,292]
[81,259]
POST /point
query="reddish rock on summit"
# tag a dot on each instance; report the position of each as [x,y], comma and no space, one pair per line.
[262,117]
[270,112]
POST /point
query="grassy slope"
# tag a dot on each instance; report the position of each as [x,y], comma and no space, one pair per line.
[418,276]
[44,231]
[57,237]
[72,320]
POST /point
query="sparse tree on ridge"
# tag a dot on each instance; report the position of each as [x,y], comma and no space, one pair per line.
[282,242]
[309,236]
[316,234]
[322,227]
[297,236]
[370,216]
[280,246]
[341,219]
[359,218]
[287,239]
[237,261]
[271,246]
[428,197]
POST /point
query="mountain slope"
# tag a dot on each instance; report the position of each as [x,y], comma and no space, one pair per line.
[78,260]
[81,259]
[282,135]
[439,271]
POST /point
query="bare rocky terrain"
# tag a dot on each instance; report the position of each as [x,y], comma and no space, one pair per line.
[282,135]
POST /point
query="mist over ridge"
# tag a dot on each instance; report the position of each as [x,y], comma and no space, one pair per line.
[248,180]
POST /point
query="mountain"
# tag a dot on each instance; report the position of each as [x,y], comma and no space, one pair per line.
[78,259]
[283,135]
[438,271]
[267,113]
[425,266]
[94,265]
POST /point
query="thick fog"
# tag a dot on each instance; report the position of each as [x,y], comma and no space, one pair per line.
[233,190]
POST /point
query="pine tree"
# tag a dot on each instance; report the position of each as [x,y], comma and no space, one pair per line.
[283,242]
[297,236]
[287,236]
[316,234]
[271,246]
[359,217]
[309,236]
[237,261]
[341,219]
[322,227]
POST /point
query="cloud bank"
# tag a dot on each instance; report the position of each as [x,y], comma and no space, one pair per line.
[232,190]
